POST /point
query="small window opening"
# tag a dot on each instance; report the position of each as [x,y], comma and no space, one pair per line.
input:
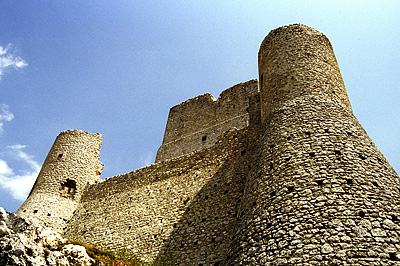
[312,154]
[243,152]
[60,155]
[129,227]
[320,182]
[349,181]
[271,166]
[349,133]
[290,188]
[273,193]
[288,158]
[392,256]
[204,138]
[375,183]
[338,153]
[289,138]
[362,157]
[307,133]
[68,188]
[186,200]
[361,214]
[394,218]
[48,214]
[35,211]
[326,130]
[261,78]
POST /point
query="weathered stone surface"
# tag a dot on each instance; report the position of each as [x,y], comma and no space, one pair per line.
[30,242]
[71,165]
[198,123]
[281,175]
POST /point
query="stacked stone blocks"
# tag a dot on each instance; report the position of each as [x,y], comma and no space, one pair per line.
[275,172]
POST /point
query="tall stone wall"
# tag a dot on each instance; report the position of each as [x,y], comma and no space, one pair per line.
[197,123]
[281,177]
[323,194]
[183,209]
[72,164]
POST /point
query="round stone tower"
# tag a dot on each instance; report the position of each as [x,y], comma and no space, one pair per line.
[324,194]
[71,165]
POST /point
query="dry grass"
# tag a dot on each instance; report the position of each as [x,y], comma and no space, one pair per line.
[110,258]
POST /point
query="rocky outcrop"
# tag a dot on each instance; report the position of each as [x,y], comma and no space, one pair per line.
[31,242]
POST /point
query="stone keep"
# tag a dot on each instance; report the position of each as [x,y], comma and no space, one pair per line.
[71,165]
[275,172]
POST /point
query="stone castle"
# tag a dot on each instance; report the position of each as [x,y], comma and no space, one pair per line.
[274,172]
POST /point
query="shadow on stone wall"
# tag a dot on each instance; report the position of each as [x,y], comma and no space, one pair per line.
[202,235]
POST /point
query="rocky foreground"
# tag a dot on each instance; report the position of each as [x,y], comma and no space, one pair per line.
[30,242]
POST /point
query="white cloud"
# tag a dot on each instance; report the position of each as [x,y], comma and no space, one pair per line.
[9,59]
[5,115]
[18,184]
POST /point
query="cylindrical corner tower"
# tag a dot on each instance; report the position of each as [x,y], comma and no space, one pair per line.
[325,194]
[72,164]
[297,62]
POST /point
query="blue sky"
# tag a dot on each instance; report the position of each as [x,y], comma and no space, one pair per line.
[117,67]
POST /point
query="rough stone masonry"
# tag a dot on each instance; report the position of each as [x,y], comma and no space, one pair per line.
[274,172]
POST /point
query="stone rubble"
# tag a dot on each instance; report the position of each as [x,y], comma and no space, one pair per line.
[30,242]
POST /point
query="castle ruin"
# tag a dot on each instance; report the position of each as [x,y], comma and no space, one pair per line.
[274,172]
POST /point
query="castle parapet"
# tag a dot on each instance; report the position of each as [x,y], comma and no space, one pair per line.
[197,123]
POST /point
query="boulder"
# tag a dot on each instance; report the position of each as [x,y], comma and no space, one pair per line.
[31,242]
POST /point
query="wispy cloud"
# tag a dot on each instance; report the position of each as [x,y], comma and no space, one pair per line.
[5,115]
[18,184]
[8,59]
